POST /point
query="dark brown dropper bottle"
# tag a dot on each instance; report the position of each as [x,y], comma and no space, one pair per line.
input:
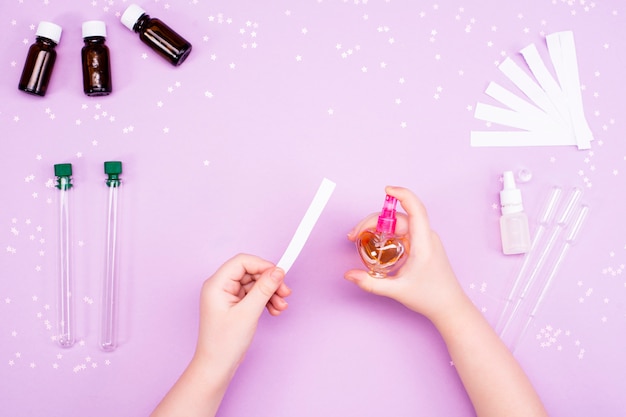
[157,35]
[40,59]
[96,60]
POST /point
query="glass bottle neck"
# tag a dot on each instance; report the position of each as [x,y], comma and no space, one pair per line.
[93,39]
[46,41]
[141,23]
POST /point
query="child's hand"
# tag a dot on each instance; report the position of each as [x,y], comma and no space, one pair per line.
[232,301]
[425,283]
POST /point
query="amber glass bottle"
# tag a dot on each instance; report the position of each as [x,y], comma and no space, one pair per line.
[96,60]
[157,35]
[40,60]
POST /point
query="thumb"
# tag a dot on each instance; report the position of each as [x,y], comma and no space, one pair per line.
[368,283]
[263,289]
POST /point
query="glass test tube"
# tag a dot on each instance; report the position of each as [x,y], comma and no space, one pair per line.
[545,218]
[562,223]
[108,327]
[65,322]
[569,241]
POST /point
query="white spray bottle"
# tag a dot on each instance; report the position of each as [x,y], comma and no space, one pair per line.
[514,229]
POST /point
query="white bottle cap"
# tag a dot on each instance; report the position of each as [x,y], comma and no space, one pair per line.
[49,30]
[94,28]
[131,15]
[510,196]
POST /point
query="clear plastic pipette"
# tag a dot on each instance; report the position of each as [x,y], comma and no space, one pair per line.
[562,223]
[108,327]
[569,241]
[545,217]
[65,322]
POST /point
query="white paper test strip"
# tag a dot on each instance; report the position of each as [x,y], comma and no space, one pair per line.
[563,55]
[306,225]
[517,138]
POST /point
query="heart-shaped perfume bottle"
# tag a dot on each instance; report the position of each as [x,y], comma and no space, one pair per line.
[381,253]
[380,249]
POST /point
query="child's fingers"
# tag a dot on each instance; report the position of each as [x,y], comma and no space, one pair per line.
[419,225]
[263,290]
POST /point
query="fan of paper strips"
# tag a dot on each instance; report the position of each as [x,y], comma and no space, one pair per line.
[555,117]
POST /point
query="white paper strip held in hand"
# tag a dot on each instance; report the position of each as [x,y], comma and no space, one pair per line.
[305,227]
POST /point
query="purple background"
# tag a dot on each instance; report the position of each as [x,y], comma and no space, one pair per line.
[223,155]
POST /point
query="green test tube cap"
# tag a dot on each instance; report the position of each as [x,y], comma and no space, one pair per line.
[113,169]
[63,171]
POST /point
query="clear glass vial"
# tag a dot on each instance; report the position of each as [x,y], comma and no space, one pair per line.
[40,59]
[65,305]
[157,35]
[96,61]
[109,322]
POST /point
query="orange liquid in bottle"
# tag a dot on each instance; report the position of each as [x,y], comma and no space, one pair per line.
[380,252]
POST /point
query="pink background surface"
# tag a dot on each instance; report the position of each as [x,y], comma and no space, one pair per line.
[223,155]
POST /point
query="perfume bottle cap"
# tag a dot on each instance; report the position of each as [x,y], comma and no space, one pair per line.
[131,15]
[387,218]
[510,196]
[49,30]
[94,28]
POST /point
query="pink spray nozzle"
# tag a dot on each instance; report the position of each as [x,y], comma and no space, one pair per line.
[387,218]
